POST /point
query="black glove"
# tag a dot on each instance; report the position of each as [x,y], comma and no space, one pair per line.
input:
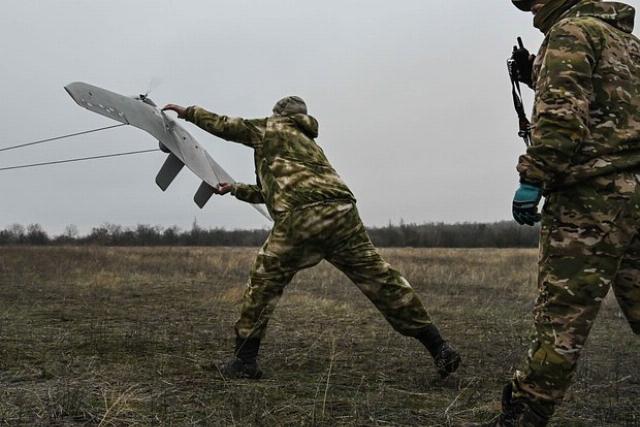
[523,64]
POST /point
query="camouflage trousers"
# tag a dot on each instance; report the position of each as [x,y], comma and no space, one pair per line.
[589,244]
[331,231]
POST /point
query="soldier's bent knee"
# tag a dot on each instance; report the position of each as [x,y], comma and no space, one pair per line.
[553,364]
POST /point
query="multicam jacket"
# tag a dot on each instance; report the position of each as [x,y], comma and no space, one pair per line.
[587,105]
[292,170]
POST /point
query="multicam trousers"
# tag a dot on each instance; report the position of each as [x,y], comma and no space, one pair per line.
[331,231]
[589,244]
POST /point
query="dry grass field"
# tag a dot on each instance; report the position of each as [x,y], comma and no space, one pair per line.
[128,336]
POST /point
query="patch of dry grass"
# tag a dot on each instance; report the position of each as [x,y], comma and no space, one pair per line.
[126,336]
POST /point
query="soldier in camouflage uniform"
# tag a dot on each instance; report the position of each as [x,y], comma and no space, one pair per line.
[315,218]
[585,159]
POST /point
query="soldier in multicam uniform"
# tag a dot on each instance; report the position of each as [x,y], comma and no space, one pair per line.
[585,159]
[315,218]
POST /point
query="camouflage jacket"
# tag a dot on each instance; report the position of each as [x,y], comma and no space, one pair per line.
[291,169]
[586,119]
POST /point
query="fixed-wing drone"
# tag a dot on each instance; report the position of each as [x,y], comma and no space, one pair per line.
[183,149]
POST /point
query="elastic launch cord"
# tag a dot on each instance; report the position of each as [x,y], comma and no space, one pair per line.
[79,159]
[42,141]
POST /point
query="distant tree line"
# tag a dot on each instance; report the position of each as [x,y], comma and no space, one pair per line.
[462,235]
[503,234]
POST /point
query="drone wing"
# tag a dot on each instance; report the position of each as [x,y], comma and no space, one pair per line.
[143,114]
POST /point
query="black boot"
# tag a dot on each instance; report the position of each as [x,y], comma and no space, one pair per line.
[446,358]
[516,413]
[244,364]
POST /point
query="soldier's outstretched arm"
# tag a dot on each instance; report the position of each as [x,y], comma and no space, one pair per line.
[561,116]
[235,129]
[247,193]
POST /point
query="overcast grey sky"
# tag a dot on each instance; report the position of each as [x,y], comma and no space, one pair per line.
[412,98]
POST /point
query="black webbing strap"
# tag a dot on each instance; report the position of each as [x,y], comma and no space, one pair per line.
[524,124]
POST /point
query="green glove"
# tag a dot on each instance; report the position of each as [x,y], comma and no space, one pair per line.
[525,204]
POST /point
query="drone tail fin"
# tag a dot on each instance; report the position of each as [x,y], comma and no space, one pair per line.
[170,169]
[204,193]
